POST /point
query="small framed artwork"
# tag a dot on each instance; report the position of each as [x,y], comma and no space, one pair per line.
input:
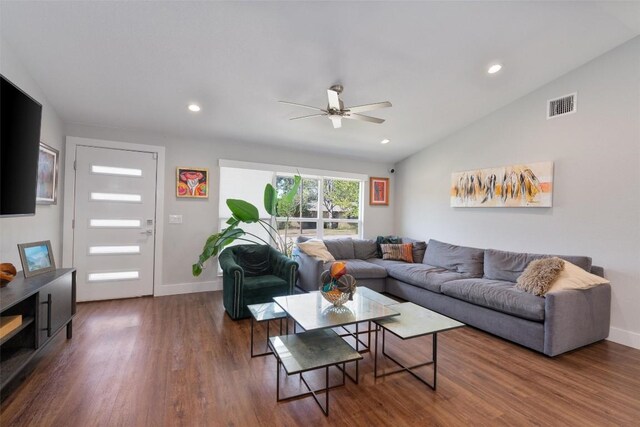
[379,191]
[36,258]
[46,193]
[192,183]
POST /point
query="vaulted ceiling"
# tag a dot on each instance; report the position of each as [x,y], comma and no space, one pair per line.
[136,65]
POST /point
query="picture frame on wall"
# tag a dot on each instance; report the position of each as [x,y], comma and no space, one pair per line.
[192,183]
[378,191]
[36,258]
[47,190]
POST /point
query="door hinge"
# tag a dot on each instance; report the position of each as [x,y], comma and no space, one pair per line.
[155,156]
[73,223]
[75,165]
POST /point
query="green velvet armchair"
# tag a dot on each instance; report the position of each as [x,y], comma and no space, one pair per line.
[254,274]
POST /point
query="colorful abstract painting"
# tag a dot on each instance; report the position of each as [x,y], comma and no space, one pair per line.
[192,183]
[47,175]
[379,191]
[525,185]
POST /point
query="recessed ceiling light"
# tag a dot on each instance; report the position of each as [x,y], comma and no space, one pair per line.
[384,141]
[194,107]
[494,68]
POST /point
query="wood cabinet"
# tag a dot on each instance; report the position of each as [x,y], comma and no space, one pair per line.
[47,304]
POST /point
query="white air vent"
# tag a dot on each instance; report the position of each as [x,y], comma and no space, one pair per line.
[561,106]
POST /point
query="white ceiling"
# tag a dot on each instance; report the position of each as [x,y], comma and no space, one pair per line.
[136,65]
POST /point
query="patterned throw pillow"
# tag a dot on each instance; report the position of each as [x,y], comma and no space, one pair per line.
[397,252]
[386,239]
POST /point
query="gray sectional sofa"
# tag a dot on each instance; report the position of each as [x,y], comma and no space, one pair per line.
[477,287]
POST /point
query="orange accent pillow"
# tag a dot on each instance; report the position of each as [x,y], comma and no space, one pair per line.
[397,252]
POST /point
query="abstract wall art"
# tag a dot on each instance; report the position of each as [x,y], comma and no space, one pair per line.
[192,183]
[379,191]
[523,185]
[46,193]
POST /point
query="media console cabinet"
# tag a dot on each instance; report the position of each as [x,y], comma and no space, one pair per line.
[47,304]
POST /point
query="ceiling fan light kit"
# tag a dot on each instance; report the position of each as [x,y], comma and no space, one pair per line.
[335,110]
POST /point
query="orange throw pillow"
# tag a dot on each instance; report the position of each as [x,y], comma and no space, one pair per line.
[397,252]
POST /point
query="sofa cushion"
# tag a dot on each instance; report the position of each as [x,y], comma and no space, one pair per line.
[508,266]
[460,259]
[422,275]
[364,249]
[263,284]
[384,262]
[360,269]
[497,295]
[340,248]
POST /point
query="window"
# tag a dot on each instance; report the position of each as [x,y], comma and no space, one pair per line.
[325,207]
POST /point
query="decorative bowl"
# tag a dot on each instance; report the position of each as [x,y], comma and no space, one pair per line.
[335,296]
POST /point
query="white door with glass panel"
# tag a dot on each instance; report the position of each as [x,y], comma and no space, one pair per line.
[114,223]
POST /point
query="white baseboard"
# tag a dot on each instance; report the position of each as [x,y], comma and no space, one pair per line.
[188,288]
[621,336]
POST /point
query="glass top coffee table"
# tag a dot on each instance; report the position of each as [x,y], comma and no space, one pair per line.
[414,321]
[311,311]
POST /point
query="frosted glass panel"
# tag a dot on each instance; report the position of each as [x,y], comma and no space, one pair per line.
[116,197]
[115,223]
[245,184]
[114,275]
[112,250]
[110,170]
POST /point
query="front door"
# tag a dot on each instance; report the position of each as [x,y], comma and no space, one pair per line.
[114,226]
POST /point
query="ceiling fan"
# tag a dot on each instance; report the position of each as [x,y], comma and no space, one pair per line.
[336,112]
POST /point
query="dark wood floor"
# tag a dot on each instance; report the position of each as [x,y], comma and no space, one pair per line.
[180,361]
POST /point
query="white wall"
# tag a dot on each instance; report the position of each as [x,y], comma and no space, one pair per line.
[596,200]
[47,222]
[183,242]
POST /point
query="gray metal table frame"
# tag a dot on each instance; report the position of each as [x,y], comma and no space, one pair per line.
[434,346]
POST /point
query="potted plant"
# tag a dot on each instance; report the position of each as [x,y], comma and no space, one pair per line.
[245,212]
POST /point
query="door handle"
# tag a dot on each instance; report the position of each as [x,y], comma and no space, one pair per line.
[147,232]
[48,328]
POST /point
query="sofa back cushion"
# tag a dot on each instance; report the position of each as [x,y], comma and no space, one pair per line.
[508,266]
[341,248]
[365,249]
[460,259]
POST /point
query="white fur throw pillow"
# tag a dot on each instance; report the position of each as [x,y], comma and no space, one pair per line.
[317,249]
[539,275]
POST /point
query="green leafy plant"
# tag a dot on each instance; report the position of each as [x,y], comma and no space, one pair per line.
[245,212]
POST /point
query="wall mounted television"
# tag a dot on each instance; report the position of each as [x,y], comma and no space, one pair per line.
[20,119]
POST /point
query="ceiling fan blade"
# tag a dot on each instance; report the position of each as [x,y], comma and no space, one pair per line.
[368,107]
[334,99]
[337,121]
[306,117]
[301,105]
[363,118]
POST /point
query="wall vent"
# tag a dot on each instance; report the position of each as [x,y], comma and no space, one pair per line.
[564,105]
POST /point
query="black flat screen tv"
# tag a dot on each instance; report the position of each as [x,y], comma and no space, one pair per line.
[20,118]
